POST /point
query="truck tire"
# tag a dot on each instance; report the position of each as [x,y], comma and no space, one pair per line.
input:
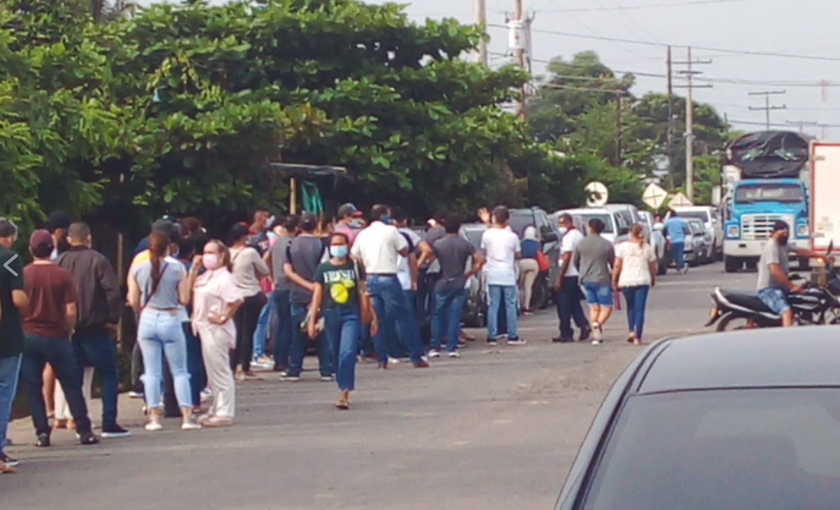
[732,264]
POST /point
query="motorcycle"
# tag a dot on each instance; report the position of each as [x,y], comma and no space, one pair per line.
[815,305]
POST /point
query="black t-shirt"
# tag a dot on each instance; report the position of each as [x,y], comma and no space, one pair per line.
[341,285]
[452,251]
[11,324]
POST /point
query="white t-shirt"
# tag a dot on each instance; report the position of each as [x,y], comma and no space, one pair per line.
[635,264]
[404,272]
[500,247]
[568,245]
[377,247]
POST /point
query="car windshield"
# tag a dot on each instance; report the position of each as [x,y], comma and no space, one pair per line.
[520,221]
[788,193]
[697,228]
[762,449]
[603,217]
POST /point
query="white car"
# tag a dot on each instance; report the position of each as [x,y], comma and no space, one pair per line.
[698,244]
[616,228]
[710,216]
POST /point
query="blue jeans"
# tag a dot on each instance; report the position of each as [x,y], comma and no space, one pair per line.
[446,319]
[497,294]
[195,364]
[389,304]
[58,352]
[96,349]
[282,332]
[341,329]
[9,371]
[775,299]
[569,307]
[412,336]
[262,329]
[299,346]
[677,253]
[636,298]
[598,294]
[160,334]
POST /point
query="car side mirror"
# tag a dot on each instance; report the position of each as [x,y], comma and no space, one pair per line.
[659,227]
[550,237]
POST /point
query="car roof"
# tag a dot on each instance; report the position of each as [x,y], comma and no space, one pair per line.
[761,358]
[583,210]
[693,208]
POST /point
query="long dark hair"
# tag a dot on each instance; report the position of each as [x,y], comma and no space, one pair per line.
[158,245]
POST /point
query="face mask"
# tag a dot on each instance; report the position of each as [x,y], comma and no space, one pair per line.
[783,240]
[338,252]
[562,231]
[210,261]
[176,253]
[356,223]
[386,220]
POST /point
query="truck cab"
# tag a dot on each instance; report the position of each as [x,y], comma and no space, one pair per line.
[754,205]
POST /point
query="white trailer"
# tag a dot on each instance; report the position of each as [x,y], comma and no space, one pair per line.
[825,195]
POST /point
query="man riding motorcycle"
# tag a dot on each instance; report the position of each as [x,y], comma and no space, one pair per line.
[774,285]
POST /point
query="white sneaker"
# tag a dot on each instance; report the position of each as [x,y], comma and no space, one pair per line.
[190,424]
[154,426]
[327,378]
[434,353]
[454,354]
[597,342]
[206,395]
[597,333]
[393,361]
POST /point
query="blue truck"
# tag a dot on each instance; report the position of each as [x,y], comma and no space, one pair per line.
[765,178]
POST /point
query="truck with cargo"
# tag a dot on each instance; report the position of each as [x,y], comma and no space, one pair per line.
[825,195]
[765,177]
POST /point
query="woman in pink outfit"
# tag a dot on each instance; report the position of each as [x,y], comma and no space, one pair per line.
[215,301]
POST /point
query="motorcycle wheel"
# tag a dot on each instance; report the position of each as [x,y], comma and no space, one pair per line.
[736,323]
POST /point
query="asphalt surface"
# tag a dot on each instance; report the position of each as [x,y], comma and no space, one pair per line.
[496,429]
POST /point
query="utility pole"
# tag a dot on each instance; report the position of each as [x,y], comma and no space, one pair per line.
[618,93]
[801,124]
[671,154]
[519,40]
[767,108]
[481,20]
[689,120]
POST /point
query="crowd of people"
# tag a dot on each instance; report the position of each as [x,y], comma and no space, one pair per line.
[351,288]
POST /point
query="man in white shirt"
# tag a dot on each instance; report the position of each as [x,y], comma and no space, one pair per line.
[378,248]
[567,285]
[501,249]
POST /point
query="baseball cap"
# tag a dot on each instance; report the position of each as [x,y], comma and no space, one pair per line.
[40,238]
[308,222]
[780,225]
[349,209]
[169,228]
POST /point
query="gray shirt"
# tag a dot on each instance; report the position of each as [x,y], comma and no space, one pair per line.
[304,254]
[452,251]
[594,256]
[166,294]
[278,258]
[772,254]
[432,236]
[248,268]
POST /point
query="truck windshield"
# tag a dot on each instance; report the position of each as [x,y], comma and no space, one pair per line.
[787,193]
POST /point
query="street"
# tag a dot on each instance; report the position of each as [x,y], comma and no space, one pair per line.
[496,429]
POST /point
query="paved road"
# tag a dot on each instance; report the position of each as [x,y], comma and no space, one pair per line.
[496,429]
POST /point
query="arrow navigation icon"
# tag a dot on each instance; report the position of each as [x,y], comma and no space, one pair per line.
[6,265]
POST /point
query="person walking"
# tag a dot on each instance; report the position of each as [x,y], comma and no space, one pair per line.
[453,252]
[99,307]
[248,268]
[303,256]
[529,268]
[634,274]
[378,248]
[501,249]
[157,290]
[216,298]
[281,297]
[594,257]
[57,224]
[349,221]
[676,229]
[48,323]
[567,285]
[13,301]
[338,283]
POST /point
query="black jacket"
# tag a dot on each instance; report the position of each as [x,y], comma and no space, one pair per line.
[100,301]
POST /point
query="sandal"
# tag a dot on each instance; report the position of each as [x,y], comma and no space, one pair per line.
[342,405]
[631,338]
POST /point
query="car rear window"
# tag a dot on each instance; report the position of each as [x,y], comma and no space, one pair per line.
[715,450]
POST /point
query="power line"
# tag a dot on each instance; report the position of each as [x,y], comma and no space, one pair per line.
[754,123]
[647,6]
[662,45]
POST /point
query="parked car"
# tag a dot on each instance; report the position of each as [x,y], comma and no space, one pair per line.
[741,420]
[698,244]
[657,241]
[616,226]
[710,216]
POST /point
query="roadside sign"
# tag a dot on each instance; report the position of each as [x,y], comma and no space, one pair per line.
[654,196]
[680,200]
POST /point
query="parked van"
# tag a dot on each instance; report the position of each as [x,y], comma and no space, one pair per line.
[616,224]
[710,216]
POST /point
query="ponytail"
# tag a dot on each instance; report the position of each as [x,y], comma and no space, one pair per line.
[158,245]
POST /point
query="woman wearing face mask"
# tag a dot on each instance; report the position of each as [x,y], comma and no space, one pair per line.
[635,274]
[528,268]
[157,289]
[248,268]
[337,285]
[216,298]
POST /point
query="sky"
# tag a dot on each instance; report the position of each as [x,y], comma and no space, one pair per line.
[804,28]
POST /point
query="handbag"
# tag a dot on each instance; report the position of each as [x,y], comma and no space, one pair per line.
[542,261]
[366,314]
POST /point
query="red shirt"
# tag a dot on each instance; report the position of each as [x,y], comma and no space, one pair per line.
[50,289]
